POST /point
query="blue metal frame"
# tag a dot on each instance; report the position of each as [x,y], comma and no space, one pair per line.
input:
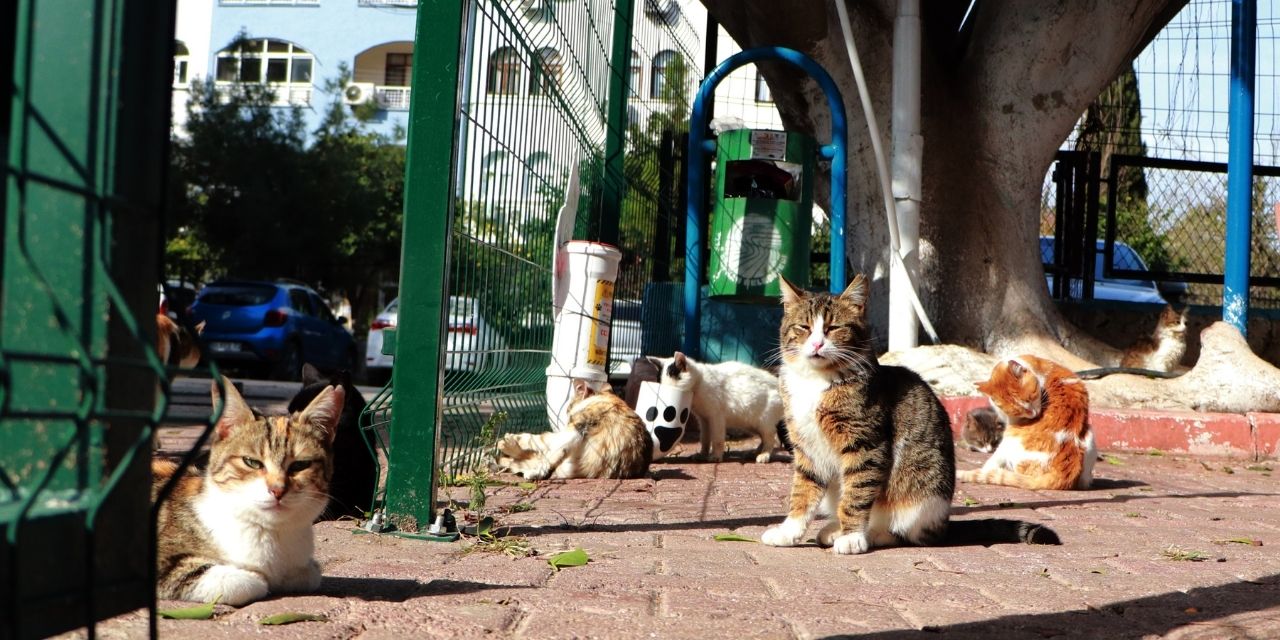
[700,147]
[1235,292]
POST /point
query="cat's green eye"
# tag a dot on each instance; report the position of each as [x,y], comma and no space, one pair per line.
[299,466]
[251,463]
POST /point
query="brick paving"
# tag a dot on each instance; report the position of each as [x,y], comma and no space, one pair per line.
[656,570]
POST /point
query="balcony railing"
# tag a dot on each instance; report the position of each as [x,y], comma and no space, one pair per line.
[394,98]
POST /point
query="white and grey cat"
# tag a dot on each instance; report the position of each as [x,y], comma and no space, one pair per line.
[727,396]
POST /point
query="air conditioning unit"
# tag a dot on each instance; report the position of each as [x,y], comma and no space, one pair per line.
[358,93]
[534,7]
[664,10]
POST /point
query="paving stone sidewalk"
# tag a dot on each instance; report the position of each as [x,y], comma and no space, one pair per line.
[1164,546]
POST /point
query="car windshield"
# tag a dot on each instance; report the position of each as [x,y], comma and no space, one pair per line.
[1124,258]
[238,296]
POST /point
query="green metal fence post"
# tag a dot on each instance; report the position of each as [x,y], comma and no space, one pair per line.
[615,180]
[428,209]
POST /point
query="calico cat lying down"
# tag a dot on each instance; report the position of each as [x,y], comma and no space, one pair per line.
[604,439]
[242,529]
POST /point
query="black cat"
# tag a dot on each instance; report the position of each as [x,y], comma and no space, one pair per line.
[355,476]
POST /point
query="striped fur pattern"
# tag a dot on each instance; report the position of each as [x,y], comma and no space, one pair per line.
[243,528]
[872,442]
[727,396]
[605,438]
[175,345]
[982,430]
[1048,443]
[1164,348]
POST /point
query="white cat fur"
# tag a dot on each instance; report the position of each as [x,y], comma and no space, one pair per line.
[729,396]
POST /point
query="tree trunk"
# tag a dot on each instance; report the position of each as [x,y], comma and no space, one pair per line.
[1000,94]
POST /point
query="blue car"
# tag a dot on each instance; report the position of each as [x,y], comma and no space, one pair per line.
[271,328]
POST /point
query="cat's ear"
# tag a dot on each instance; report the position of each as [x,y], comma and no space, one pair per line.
[325,410]
[582,389]
[234,410]
[200,327]
[856,292]
[791,294]
[1016,369]
[681,361]
[310,375]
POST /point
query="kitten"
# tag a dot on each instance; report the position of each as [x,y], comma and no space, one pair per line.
[175,344]
[727,396]
[355,472]
[982,430]
[1048,443]
[1164,348]
[243,528]
[872,442]
[604,439]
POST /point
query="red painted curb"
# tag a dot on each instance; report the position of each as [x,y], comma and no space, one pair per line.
[1266,434]
[1253,436]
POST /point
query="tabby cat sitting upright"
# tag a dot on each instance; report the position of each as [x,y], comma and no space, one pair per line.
[604,439]
[871,441]
[1047,442]
[243,528]
[727,396]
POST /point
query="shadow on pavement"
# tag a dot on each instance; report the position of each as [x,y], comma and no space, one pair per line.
[1199,612]
[1112,499]
[399,590]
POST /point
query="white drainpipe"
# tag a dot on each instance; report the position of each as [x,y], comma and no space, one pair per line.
[908,152]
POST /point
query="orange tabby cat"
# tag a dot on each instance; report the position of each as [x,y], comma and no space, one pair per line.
[1047,443]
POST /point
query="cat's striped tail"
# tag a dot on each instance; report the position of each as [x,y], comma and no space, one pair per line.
[998,530]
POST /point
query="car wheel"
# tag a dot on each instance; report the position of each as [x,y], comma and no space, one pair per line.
[290,366]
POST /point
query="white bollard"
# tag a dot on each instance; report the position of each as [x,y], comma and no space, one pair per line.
[580,346]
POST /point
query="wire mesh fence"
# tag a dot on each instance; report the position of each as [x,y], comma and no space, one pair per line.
[1163,123]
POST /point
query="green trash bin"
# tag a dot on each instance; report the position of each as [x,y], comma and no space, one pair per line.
[762,214]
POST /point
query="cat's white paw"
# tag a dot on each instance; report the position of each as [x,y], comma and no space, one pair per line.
[851,543]
[828,533]
[229,585]
[304,579]
[764,457]
[787,534]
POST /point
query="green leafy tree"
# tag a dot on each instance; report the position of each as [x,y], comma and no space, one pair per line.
[254,196]
[1113,125]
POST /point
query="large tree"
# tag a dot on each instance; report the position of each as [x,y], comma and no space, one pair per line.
[1003,84]
[1002,87]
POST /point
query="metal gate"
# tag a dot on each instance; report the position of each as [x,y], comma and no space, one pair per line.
[83,134]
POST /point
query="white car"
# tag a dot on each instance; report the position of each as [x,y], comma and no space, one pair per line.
[625,335]
[471,344]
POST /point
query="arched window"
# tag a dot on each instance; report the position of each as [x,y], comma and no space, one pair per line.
[658,78]
[635,74]
[181,64]
[547,74]
[275,62]
[495,175]
[538,170]
[504,72]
